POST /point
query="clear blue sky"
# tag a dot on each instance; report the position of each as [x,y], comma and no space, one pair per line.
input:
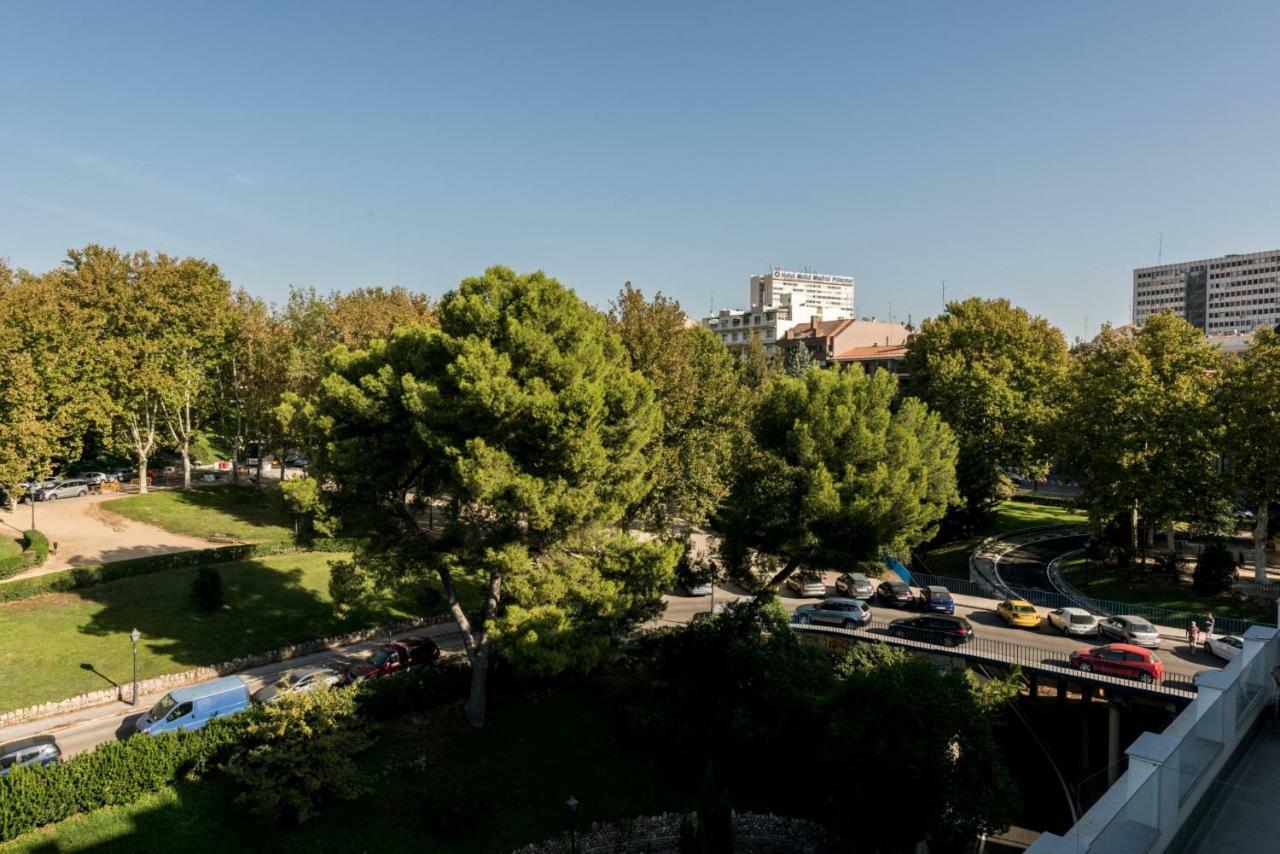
[1027,150]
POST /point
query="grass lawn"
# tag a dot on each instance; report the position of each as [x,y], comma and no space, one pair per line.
[62,644]
[10,547]
[505,785]
[235,512]
[1107,582]
[952,559]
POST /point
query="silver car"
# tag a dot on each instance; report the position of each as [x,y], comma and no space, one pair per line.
[807,584]
[74,488]
[1127,628]
[836,611]
[300,681]
[1074,621]
[36,751]
[855,585]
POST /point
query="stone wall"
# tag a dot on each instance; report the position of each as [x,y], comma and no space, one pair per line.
[660,834]
[201,674]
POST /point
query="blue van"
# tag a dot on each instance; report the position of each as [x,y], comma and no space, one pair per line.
[192,708]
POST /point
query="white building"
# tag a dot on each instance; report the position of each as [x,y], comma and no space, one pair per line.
[1226,295]
[779,300]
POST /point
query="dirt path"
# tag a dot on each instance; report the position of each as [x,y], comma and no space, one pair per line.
[84,533]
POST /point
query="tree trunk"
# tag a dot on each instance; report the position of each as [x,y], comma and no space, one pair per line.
[1171,540]
[142,473]
[476,703]
[186,465]
[1260,542]
[1133,527]
[786,571]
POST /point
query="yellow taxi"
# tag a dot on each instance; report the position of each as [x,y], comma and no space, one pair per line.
[1019,613]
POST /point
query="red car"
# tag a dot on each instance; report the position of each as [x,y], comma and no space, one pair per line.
[1120,659]
[395,657]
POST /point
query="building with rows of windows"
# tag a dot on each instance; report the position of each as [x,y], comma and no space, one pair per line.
[1221,296]
[780,300]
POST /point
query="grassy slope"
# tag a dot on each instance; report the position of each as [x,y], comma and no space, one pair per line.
[238,512]
[1105,582]
[534,753]
[9,547]
[51,646]
[952,559]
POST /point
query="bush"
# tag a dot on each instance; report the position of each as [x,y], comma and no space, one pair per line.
[413,690]
[299,753]
[117,772]
[206,589]
[1215,570]
[35,550]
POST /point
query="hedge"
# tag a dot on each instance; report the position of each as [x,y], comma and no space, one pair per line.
[120,772]
[35,549]
[82,577]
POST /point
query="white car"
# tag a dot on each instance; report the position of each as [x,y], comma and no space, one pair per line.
[1226,647]
[1074,621]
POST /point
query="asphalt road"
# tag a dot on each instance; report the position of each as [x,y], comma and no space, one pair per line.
[1025,566]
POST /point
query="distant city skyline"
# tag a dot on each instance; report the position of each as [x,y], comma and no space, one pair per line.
[1030,151]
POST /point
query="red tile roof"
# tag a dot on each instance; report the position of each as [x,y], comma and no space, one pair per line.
[865,354]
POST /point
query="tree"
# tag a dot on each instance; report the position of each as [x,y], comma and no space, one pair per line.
[994,373]
[1215,570]
[517,425]
[755,367]
[1140,428]
[206,589]
[833,468]
[696,386]
[1251,409]
[797,361]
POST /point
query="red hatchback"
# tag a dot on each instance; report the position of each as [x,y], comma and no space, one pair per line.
[395,657]
[1120,659]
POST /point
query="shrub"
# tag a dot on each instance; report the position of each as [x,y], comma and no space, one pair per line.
[298,753]
[206,589]
[413,690]
[1215,569]
[35,549]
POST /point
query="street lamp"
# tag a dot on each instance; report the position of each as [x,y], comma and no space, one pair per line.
[572,804]
[135,636]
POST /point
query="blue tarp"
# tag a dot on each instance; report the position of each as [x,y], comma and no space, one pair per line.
[900,570]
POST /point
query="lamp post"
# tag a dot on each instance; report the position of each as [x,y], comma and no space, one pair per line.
[572,804]
[135,636]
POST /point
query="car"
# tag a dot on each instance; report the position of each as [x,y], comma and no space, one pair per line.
[1127,628]
[807,584]
[1019,613]
[74,488]
[855,585]
[894,593]
[301,681]
[836,611]
[933,628]
[1120,659]
[705,616]
[937,599]
[1226,647]
[6,501]
[395,657]
[191,708]
[297,462]
[92,477]
[701,588]
[1073,621]
[34,751]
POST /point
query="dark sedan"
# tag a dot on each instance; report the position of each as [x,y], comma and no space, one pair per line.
[936,599]
[894,593]
[935,628]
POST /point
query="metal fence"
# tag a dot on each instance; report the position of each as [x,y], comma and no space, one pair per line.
[988,650]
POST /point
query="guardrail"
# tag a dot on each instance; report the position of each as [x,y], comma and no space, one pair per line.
[989,650]
[1171,773]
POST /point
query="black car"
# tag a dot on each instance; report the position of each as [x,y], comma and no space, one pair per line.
[894,593]
[934,628]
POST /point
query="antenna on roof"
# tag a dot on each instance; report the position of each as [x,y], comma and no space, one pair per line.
[1160,250]
[891,311]
[944,294]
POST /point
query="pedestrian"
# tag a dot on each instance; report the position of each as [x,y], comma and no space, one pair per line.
[1208,625]
[1193,636]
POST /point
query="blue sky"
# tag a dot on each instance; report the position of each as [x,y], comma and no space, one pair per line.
[1027,150]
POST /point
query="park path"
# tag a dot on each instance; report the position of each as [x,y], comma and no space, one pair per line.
[84,533]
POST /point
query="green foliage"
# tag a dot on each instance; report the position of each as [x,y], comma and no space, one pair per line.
[412,691]
[299,753]
[35,549]
[1215,570]
[116,772]
[995,374]
[303,497]
[836,469]
[797,361]
[206,590]
[1250,404]
[710,829]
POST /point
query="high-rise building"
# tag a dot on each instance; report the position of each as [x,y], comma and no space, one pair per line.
[779,300]
[1234,293]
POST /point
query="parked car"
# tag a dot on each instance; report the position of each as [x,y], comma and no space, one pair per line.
[395,657]
[1226,647]
[1120,659]
[192,708]
[1130,629]
[894,593]
[1073,621]
[836,611]
[807,584]
[937,599]
[300,462]
[33,751]
[301,681]
[933,628]
[1019,613]
[93,477]
[6,501]
[74,488]
[855,585]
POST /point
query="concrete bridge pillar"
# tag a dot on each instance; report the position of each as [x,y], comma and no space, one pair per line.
[1113,741]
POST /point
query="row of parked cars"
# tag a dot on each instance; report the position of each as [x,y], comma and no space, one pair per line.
[193,707]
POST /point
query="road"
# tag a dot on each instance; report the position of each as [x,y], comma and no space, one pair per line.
[1025,566]
[84,728]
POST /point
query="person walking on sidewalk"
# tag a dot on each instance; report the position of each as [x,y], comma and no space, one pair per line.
[1193,636]
[1208,625]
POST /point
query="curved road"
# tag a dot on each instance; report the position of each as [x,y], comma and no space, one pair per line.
[1027,566]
